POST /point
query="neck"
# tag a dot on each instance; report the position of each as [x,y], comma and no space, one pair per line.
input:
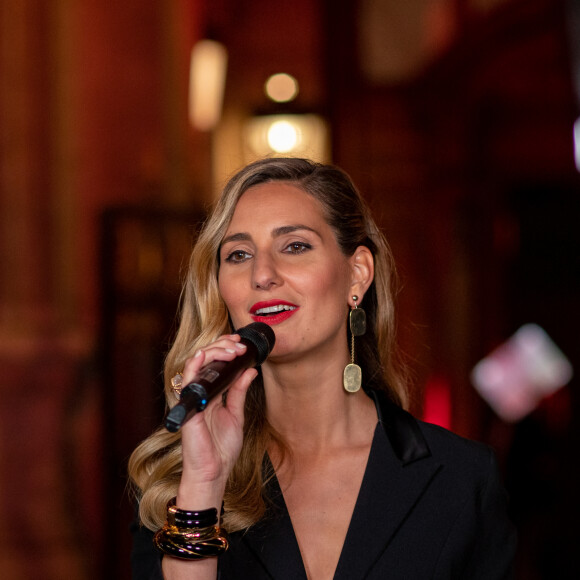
[309,407]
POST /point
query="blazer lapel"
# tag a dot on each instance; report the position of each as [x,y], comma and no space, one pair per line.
[398,472]
[272,540]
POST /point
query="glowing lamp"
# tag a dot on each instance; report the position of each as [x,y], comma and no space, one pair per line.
[287,134]
[207,78]
[281,88]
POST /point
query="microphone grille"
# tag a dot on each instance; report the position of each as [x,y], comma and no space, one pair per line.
[261,336]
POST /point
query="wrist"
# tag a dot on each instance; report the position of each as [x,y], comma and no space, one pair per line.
[200,496]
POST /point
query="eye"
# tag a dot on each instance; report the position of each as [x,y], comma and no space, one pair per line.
[238,256]
[297,248]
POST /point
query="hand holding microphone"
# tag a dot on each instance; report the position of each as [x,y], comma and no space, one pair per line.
[259,339]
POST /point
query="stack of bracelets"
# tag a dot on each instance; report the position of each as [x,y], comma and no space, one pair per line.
[191,535]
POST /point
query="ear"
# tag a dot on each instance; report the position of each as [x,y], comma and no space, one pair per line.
[363,272]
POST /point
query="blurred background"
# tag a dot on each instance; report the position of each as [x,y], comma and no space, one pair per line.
[119,122]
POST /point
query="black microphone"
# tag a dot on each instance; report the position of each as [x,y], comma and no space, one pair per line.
[259,339]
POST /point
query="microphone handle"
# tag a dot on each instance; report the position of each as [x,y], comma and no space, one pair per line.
[212,380]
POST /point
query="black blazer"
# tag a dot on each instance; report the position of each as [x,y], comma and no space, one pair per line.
[431,505]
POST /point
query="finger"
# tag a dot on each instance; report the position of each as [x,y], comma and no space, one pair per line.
[224,349]
[233,397]
[193,364]
[236,396]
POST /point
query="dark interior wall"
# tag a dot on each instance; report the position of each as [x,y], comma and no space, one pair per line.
[441,156]
[470,164]
[89,101]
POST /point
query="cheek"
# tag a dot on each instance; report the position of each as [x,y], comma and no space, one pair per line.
[334,281]
[227,291]
[329,287]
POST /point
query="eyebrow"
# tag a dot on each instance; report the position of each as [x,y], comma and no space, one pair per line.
[282,230]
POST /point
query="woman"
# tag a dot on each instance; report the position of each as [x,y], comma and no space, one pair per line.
[318,478]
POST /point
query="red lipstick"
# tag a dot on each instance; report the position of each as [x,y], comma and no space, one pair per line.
[272,311]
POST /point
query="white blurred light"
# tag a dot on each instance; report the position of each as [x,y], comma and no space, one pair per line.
[287,134]
[283,136]
[577,143]
[516,376]
[281,88]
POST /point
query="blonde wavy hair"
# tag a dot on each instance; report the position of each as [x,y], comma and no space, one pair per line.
[155,466]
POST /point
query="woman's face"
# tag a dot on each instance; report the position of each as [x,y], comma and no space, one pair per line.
[280,264]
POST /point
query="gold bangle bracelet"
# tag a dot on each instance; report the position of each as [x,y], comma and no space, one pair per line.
[179,545]
[193,533]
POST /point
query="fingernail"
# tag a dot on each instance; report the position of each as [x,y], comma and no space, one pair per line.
[197,353]
[240,346]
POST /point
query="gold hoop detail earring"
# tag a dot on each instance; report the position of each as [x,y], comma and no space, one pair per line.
[352,375]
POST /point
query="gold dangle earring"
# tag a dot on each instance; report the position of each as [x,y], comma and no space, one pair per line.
[352,376]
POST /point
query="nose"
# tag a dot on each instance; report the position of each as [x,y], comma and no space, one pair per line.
[265,274]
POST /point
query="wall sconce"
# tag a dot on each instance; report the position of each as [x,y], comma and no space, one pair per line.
[285,132]
[207,79]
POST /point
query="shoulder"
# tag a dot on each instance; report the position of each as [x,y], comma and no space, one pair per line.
[466,471]
[413,440]
[463,458]
[446,444]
